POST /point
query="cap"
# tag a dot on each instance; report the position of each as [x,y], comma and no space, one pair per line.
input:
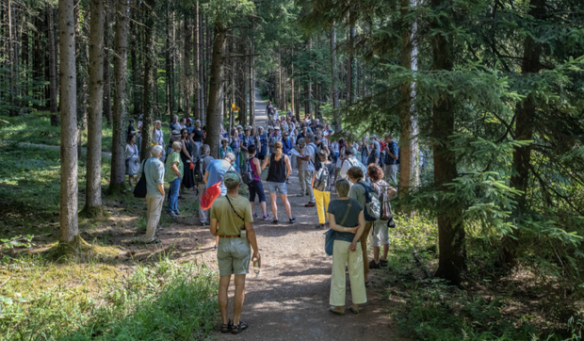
[239,127]
[176,132]
[270,128]
[277,128]
[231,177]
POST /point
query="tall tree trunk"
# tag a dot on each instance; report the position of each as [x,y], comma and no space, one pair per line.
[96,32]
[451,233]
[134,44]
[107,91]
[149,57]
[352,74]
[334,76]
[525,118]
[292,104]
[202,67]
[188,87]
[214,118]
[196,66]
[11,63]
[53,87]
[118,166]
[69,229]
[251,81]
[309,85]
[409,170]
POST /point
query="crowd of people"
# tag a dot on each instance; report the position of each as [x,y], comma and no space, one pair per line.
[259,157]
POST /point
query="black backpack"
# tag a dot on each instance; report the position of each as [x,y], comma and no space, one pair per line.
[141,189]
[322,179]
[246,172]
[198,170]
[317,161]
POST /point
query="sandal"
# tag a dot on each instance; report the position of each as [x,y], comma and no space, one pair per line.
[335,311]
[226,328]
[239,328]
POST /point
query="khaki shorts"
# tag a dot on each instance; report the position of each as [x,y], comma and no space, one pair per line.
[233,256]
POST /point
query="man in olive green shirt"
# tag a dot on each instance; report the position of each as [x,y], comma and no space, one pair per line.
[229,216]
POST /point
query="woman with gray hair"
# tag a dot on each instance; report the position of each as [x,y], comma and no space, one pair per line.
[173,175]
[347,219]
[175,124]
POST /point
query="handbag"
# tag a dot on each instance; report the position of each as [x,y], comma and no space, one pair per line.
[390,222]
[330,235]
[141,190]
[240,217]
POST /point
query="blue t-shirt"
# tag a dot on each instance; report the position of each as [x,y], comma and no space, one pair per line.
[217,169]
[286,146]
[264,142]
[338,209]
[394,149]
[154,173]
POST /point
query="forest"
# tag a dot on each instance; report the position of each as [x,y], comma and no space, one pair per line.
[484,97]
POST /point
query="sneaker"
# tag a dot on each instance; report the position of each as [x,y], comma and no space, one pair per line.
[267,217]
[204,223]
[310,204]
[321,226]
[153,241]
[373,265]
[300,195]
[255,216]
[215,247]
[172,214]
[275,221]
[177,212]
[383,262]
[292,220]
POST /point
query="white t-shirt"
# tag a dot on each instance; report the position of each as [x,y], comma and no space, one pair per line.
[334,147]
[158,137]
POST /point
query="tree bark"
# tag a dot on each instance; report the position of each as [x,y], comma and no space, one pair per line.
[334,76]
[53,87]
[409,170]
[216,79]
[107,91]
[96,33]
[69,229]
[251,82]
[451,233]
[148,126]
[525,118]
[11,64]
[352,74]
[188,86]
[118,167]
[196,66]
[292,99]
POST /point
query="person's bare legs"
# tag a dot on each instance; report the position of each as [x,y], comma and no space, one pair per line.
[287,205]
[130,180]
[223,299]
[239,298]
[376,254]
[264,210]
[251,203]
[274,206]
[385,251]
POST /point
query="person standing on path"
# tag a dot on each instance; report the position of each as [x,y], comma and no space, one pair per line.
[391,159]
[374,154]
[224,149]
[308,167]
[256,187]
[154,173]
[173,175]
[263,149]
[231,222]
[158,136]
[246,141]
[349,161]
[278,172]
[379,231]
[204,162]
[357,192]
[298,150]
[321,182]
[364,150]
[347,219]
[187,145]
[132,160]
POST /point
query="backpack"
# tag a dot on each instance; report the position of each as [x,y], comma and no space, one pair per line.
[321,180]
[317,161]
[359,164]
[372,209]
[198,170]
[384,199]
[246,172]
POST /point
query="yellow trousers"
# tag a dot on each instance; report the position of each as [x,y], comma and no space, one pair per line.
[341,256]
[322,202]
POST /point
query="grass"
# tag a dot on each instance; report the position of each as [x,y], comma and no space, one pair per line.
[37,129]
[94,301]
[486,308]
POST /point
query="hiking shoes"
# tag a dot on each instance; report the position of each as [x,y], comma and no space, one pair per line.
[373,265]
[292,220]
[310,204]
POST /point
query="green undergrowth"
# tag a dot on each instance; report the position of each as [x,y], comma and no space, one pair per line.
[489,306]
[37,129]
[42,300]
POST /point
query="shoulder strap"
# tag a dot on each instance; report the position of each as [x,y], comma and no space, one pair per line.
[233,208]
[342,223]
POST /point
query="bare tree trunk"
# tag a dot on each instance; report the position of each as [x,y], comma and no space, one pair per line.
[82,61]
[196,66]
[292,104]
[202,66]
[525,114]
[251,82]
[93,184]
[107,91]
[188,85]
[11,64]
[409,170]
[53,87]
[451,232]
[216,89]
[149,57]
[118,167]
[69,230]
[334,76]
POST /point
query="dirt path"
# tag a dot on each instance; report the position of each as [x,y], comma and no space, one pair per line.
[289,301]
